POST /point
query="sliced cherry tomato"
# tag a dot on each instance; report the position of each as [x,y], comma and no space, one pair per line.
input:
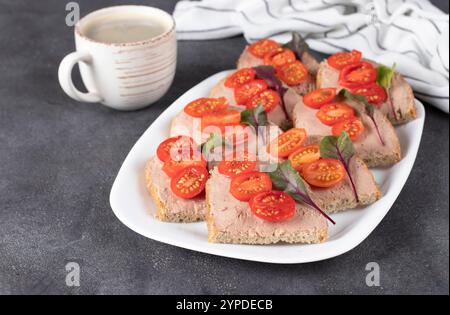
[332,113]
[273,206]
[324,172]
[235,164]
[245,186]
[269,99]
[353,126]
[293,73]
[189,182]
[263,47]
[287,142]
[240,77]
[374,93]
[342,59]
[173,167]
[355,75]
[172,147]
[222,119]
[304,155]
[204,106]
[246,91]
[280,57]
[319,97]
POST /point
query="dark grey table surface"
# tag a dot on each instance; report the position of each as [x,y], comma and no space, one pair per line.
[59,159]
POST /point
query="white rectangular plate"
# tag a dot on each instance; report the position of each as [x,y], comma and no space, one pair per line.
[133,206]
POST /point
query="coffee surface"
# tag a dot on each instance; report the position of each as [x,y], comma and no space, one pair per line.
[122,31]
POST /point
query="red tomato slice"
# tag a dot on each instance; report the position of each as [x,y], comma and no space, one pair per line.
[189,182]
[353,126]
[355,75]
[280,57]
[287,142]
[342,59]
[269,99]
[173,167]
[173,147]
[304,155]
[263,47]
[235,164]
[240,77]
[324,173]
[273,206]
[319,97]
[245,186]
[293,73]
[222,119]
[374,93]
[204,106]
[330,114]
[246,91]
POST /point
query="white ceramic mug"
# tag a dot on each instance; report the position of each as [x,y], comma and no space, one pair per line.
[124,76]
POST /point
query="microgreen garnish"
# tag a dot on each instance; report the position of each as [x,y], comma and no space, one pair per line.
[255,117]
[369,108]
[287,179]
[341,149]
[384,79]
[297,44]
[268,74]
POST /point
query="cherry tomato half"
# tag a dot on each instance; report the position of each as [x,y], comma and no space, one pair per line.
[293,73]
[332,113]
[229,117]
[262,47]
[287,142]
[374,93]
[279,58]
[204,106]
[246,91]
[235,164]
[305,154]
[324,172]
[173,167]
[245,186]
[342,59]
[240,77]
[319,97]
[174,146]
[269,99]
[189,182]
[273,206]
[355,75]
[353,126]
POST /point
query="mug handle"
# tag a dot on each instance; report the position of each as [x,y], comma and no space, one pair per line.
[65,77]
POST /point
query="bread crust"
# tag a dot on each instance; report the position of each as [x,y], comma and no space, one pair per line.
[163,213]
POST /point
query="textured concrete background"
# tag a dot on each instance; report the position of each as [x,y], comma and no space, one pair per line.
[58,160]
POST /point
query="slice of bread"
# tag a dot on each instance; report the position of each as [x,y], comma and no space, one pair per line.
[400,93]
[368,146]
[231,221]
[169,207]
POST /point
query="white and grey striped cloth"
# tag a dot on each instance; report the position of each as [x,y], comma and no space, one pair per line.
[414,34]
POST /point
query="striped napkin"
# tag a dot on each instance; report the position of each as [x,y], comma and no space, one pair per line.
[413,34]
